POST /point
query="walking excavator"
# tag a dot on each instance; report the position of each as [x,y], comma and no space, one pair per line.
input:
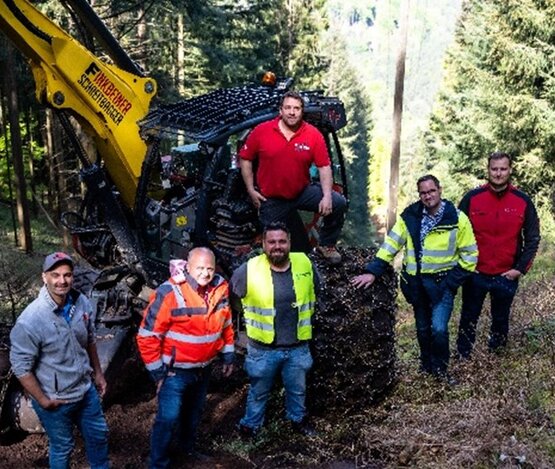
[164,177]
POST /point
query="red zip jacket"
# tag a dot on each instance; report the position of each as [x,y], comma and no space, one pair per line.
[506,227]
[184,329]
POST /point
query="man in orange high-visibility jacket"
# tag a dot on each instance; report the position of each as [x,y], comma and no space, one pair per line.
[185,325]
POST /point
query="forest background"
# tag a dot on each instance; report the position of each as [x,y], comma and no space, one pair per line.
[479,77]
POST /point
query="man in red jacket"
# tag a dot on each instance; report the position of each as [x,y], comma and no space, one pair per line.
[507,232]
[185,325]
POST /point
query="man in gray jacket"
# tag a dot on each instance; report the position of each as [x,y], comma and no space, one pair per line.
[53,354]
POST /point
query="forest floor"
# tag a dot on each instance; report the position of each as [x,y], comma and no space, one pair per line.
[500,415]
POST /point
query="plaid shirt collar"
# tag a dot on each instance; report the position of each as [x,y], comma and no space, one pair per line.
[429,221]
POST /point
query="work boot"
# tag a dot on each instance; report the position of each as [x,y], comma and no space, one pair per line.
[330,254]
[304,427]
[245,432]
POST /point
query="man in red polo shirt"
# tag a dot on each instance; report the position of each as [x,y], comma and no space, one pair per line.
[285,148]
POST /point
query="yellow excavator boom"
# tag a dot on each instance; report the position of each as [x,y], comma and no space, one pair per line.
[106,100]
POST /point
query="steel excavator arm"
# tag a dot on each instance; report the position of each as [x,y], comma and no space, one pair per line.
[107,100]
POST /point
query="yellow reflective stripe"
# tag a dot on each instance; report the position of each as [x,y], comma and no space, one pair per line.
[260,311]
[389,248]
[194,339]
[436,267]
[396,237]
[469,258]
[472,247]
[259,325]
[436,253]
[304,322]
[453,241]
[306,307]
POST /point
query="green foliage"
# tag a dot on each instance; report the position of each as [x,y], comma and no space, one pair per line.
[342,81]
[20,273]
[372,29]
[32,150]
[499,94]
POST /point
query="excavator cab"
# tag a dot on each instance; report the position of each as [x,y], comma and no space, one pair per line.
[193,194]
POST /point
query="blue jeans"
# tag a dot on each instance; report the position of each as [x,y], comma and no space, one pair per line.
[262,366]
[58,425]
[502,292]
[432,312]
[174,420]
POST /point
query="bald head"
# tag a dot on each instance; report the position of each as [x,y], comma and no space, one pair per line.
[201,265]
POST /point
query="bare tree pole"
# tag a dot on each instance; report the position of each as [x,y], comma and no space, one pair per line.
[397,115]
[180,72]
[17,153]
[7,145]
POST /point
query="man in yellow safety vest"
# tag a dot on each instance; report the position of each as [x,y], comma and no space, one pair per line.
[278,295]
[440,253]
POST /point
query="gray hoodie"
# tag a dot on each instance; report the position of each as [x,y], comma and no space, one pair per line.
[55,351]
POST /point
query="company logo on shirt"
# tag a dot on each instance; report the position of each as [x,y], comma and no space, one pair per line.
[301,147]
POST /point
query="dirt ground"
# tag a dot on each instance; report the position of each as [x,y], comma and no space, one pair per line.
[130,426]
[129,442]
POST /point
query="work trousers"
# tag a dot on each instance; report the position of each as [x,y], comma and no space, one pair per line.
[502,292]
[432,312]
[277,210]
[180,402]
[59,423]
[262,366]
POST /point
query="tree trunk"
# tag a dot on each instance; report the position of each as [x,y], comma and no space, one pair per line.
[142,56]
[30,144]
[17,153]
[180,72]
[3,113]
[49,139]
[397,115]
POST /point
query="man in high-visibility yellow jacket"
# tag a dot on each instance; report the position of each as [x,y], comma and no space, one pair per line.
[278,295]
[440,253]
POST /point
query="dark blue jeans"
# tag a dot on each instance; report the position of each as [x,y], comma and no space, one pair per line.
[262,366]
[180,403]
[59,423]
[432,312]
[278,210]
[502,292]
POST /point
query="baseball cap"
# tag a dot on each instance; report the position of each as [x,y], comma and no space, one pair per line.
[54,259]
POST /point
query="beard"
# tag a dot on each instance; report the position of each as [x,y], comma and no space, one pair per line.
[278,258]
